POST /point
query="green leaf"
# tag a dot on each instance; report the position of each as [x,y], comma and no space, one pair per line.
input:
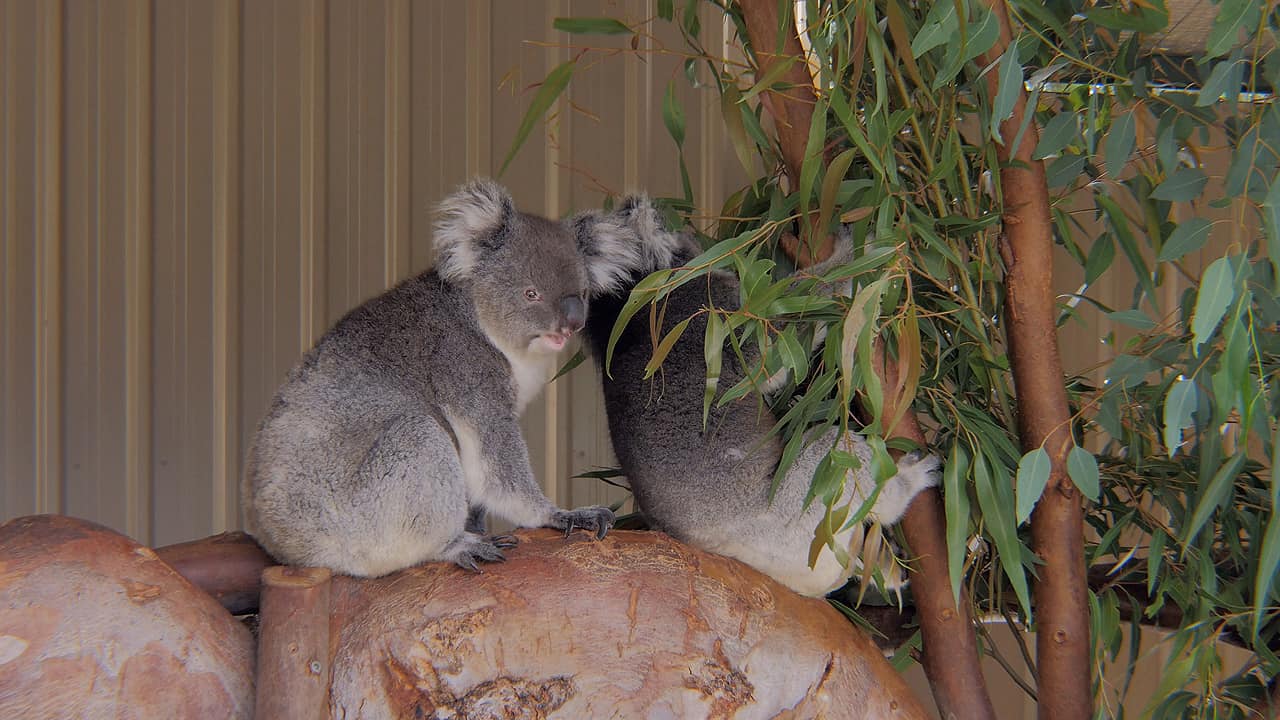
[590,26]
[980,35]
[955,497]
[713,354]
[1269,558]
[1183,185]
[1082,466]
[664,348]
[552,86]
[1059,132]
[643,293]
[1213,494]
[1189,236]
[1100,257]
[1033,475]
[673,114]
[830,184]
[1146,17]
[1271,225]
[1217,290]
[1234,17]
[666,9]
[941,26]
[572,363]
[1119,144]
[1124,235]
[1132,318]
[1009,87]
[1064,170]
[736,127]
[994,502]
[770,77]
[1223,82]
[794,358]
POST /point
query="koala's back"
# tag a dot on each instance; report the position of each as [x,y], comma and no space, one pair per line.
[336,455]
[657,423]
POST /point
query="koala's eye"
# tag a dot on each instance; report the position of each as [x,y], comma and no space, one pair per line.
[532,295]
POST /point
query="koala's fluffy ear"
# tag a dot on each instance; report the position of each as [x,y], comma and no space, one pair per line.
[467,220]
[628,240]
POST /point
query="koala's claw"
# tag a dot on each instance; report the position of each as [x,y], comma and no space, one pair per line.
[475,550]
[596,518]
[503,541]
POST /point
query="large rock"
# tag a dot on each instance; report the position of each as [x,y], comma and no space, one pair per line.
[93,625]
[634,626]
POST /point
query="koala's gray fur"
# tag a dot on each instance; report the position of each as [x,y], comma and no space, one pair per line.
[404,416]
[711,488]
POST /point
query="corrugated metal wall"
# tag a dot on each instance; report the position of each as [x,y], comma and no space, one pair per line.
[194,190]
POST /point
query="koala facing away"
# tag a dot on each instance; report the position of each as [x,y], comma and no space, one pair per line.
[711,488]
[404,416]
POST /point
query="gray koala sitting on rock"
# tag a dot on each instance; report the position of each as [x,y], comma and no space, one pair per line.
[403,418]
[710,487]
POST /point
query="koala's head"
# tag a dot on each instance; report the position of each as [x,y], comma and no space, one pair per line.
[530,278]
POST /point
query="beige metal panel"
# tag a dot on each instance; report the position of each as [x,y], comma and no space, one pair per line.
[367,201]
[450,109]
[31,250]
[283,167]
[107,322]
[194,441]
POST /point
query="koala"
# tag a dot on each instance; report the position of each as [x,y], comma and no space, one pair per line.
[711,488]
[403,419]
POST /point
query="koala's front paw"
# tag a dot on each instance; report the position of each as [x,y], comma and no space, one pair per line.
[471,550]
[595,518]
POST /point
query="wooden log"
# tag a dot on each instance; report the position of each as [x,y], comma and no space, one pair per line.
[228,566]
[293,644]
[94,625]
[633,626]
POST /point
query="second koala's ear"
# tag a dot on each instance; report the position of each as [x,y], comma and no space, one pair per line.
[471,218]
[628,240]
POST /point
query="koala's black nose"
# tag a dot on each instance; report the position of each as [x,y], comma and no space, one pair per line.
[574,312]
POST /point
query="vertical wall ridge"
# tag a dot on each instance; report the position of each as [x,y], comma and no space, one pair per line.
[138,284]
[396,142]
[226,252]
[48,183]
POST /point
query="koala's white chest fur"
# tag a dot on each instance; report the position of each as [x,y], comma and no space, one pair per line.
[530,370]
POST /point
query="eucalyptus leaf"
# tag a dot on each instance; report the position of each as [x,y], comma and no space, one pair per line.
[1234,18]
[1183,185]
[1033,475]
[1119,144]
[591,26]
[1217,290]
[1082,467]
[1189,236]
[1179,404]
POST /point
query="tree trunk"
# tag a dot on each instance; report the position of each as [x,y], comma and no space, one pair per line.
[1044,418]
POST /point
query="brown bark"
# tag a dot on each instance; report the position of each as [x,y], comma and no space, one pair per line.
[1057,524]
[293,644]
[950,655]
[791,107]
[227,566]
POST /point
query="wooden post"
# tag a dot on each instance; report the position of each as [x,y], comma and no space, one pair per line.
[293,644]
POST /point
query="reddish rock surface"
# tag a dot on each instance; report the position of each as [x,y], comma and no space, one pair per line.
[93,625]
[634,626]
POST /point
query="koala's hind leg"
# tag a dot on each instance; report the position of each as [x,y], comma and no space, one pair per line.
[408,503]
[468,550]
